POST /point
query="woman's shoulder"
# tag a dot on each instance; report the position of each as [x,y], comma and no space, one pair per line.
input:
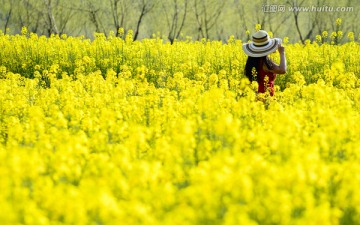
[269,63]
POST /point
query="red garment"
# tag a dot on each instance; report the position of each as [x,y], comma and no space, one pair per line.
[262,74]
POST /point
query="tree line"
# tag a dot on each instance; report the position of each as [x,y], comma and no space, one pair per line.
[179,19]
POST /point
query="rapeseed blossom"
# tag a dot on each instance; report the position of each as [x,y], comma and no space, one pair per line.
[116,131]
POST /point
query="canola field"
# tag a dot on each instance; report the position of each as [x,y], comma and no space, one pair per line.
[112,131]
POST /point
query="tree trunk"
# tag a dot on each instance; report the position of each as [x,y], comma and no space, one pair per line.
[7,19]
[51,18]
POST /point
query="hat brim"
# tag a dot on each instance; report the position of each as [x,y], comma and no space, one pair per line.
[255,51]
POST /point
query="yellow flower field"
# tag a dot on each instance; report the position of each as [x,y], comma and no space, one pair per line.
[112,131]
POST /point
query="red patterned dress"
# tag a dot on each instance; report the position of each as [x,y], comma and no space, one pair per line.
[265,83]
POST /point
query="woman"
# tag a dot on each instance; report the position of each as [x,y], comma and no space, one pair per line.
[259,66]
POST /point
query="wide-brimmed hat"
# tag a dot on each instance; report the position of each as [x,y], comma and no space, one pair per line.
[261,44]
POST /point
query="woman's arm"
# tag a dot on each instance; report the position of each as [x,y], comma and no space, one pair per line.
[280,69]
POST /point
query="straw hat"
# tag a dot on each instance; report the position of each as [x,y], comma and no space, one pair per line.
[261,44]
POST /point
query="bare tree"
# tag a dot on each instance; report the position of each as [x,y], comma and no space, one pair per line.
[209,18]
[243,21]
[29,15]
[317,19]
[175,13]
[207,13]
[352,16]
[295,5]
[144,6]
[240,11]
[51,23]
[320,18]
[6,13]
[296,16]
[119,12]
[263,15]
[64,14]
[94,15]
